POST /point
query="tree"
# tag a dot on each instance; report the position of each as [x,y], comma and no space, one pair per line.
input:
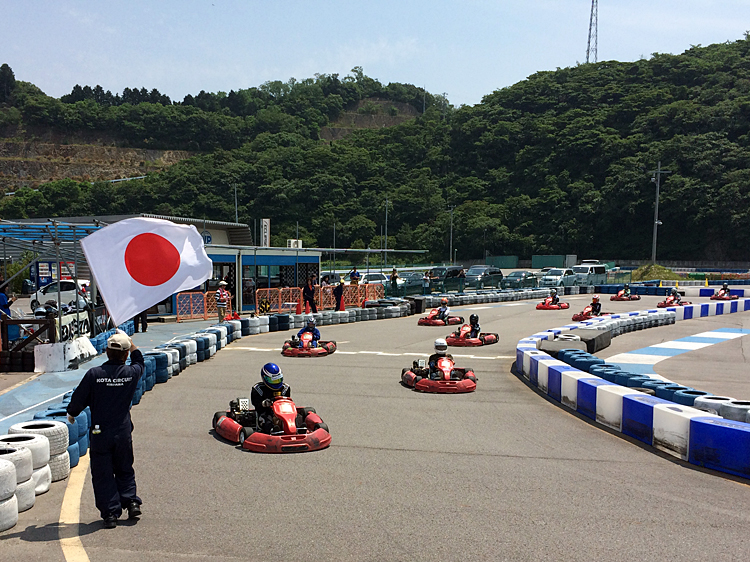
[7,83]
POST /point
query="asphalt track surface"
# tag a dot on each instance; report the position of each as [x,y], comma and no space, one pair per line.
[498,474]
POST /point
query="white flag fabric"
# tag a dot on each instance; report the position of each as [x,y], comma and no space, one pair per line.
[139,262]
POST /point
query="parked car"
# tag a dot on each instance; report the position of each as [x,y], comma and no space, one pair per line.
[67,292]
[481,276]
[558,277]
[590,274]
[519,280]
[412,278]
[447,278]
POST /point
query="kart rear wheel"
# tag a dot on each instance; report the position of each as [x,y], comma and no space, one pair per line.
[217,416]
[322,425]
[306,411]
[245,432]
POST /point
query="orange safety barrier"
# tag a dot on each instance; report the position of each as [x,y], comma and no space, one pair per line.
[279,300]
[211,308]
[191,306]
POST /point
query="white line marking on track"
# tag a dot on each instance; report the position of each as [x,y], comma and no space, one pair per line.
[378,353]
[32,407]
[69,529]
[479,307]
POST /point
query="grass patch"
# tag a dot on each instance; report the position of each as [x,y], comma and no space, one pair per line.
[653,271]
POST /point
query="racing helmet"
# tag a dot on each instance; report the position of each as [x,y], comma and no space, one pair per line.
[725,286]
[444,301]
[474,319]
[674,291]
[595,298]
[627,286]
[553,291]
[441,346]
[272,376]
[310,320]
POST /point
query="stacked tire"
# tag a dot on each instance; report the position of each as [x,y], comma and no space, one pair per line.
[8,500]
[263,323]
[38,445]
[57,435]
[21,458]
[285,322]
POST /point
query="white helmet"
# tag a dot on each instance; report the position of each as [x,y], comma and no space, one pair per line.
[311,319]
[441,346]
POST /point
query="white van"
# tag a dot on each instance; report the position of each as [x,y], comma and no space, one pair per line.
[588,274]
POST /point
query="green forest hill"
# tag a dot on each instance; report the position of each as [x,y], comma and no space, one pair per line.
[558,163]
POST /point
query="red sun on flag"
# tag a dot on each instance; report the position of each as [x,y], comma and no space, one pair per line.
[151,259]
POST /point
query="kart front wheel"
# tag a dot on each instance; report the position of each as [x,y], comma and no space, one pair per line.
[245,432]
[322,425]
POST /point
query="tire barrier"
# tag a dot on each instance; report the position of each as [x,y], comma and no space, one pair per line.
[692,425]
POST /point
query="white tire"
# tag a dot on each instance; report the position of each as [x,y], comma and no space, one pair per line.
[25,495]
[42,478]
[37,444]
[56,432]
[264,329]
[59,466]
[7,480]
[8,513]
[21,458]
[255,330]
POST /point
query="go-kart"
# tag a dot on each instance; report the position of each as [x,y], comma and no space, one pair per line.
[620,296]
[547,305]
[445,379]
[295,430]
[670,301]
[432,320]
[304,347]
[727,297]
[586,314]
[460,338]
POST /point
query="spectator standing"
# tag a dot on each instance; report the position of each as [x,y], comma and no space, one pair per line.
[394,282]
[6,301]
[354,276]
[426,283]
[142,319]
[308,295]
[223,297]
[338,293]
[108,391]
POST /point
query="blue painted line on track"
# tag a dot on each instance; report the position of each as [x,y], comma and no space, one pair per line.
[660,351]
[698,339]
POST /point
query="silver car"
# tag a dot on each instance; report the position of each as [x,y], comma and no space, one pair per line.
[558,277]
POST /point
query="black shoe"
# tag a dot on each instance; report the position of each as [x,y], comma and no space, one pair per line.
[134,510]
[110,522]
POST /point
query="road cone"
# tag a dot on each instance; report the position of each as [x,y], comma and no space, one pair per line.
[363,302]
[660,283]
[706,282]
[677,284]
[299,307]
[307,307]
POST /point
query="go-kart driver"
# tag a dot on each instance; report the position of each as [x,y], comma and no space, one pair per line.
[724,291]
[474,323]
[555,299]
[626,290]
[596,306]
[677,299]
[441,350]
[262,395]
[310,327]
[443,310]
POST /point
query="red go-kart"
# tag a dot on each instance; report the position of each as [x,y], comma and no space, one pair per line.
[446,379]
[620,296]
[724,297]
[670,301]
[295,430]
[587,314]
[460,338]
[431,320]
[547,305]
[291,348]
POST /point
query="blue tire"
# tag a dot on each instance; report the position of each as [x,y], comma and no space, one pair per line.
[687,397]
[161,376]
[667,392]
[83,424]
[201,355]
[74,453]
[83,445]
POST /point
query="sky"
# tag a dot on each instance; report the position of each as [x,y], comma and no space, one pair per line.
[465,49]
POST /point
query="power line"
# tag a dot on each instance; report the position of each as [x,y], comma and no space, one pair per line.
[593,32]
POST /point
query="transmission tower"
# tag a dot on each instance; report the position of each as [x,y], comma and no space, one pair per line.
[593,32]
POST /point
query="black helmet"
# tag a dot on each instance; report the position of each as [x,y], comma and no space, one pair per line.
[674,290]
[474,319]
[627,286]
[725,286]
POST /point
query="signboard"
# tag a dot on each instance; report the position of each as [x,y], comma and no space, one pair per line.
[206,235]
[43,269]
[72,328]
[265,233]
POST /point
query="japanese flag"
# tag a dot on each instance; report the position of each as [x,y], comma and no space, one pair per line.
[139,262]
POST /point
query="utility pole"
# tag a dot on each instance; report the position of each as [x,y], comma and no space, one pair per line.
[385,257]
[236,216]
[656,178]
[450,257]
[334,246]
[593,32]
